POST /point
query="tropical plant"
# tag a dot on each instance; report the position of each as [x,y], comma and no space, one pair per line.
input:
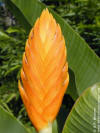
[84,71]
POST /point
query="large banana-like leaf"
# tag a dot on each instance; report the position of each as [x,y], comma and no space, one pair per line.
[9,124]
[85,114]
[83,63]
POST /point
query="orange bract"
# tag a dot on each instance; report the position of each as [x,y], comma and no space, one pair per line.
[44,73]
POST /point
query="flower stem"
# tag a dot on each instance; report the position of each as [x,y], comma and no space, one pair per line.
[47,129]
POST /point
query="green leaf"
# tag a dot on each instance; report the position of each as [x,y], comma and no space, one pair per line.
[15,30]
[3,36]
[10,97]
[14,126]
[83,62]
[9,124]
[32,130]
[55,127]
[85,114]
[12,69]
[5,105]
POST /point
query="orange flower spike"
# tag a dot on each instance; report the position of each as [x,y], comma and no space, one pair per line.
[44,73]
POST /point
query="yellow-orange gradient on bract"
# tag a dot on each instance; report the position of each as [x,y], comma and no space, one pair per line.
[44,73]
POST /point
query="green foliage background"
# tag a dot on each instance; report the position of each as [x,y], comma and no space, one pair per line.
[82,15]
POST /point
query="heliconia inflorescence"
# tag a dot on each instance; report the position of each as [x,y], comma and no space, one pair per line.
[44,74]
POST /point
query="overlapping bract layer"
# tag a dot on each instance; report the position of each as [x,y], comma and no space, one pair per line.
[44,73]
